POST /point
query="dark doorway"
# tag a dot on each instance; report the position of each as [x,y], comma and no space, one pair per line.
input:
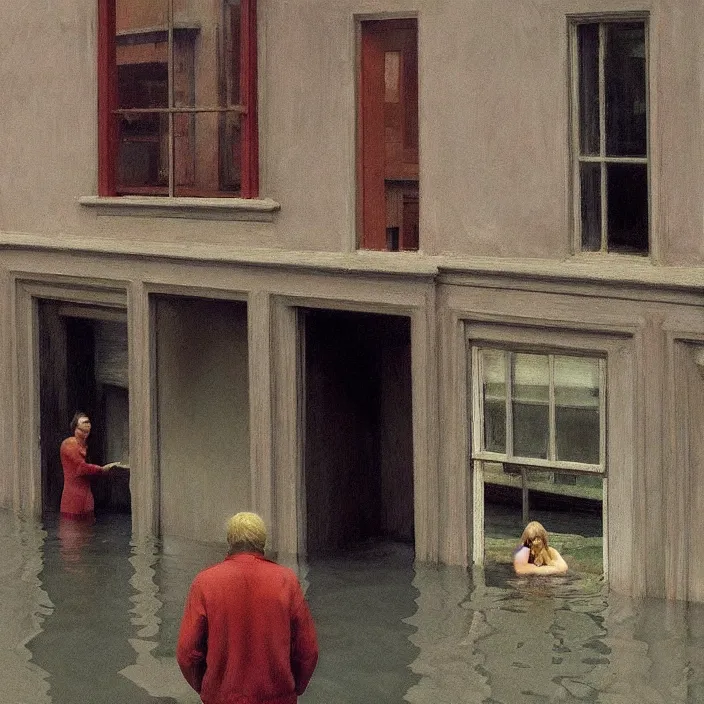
[358,454]
[83,366]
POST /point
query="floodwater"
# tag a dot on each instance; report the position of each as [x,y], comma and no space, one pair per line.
[89,617]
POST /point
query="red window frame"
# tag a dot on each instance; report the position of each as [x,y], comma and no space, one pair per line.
[107,100]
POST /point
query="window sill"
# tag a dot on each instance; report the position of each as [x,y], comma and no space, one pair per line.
[247,209]
[633,257]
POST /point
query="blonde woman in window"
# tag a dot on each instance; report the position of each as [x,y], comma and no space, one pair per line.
[535,556]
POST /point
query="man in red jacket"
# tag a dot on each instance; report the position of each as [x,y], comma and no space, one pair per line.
[247,635]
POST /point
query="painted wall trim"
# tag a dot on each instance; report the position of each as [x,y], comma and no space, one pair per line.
[615,271]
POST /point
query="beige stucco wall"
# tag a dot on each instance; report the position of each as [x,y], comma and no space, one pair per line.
[203,415]
[685,560]
[494,183]
[493,126]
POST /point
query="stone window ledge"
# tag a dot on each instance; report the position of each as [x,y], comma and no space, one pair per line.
[248,209]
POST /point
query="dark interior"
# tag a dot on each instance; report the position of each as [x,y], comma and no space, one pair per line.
[81,368]
[358,454]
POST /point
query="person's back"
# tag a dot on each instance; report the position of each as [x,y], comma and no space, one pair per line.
[247,635]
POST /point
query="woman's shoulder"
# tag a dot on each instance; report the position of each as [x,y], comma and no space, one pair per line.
[71,444]
[521,551]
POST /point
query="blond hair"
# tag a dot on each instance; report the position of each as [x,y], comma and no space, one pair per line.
[534,530]
[246,532]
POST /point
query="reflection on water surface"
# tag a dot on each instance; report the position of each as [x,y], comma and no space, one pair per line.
[88,616]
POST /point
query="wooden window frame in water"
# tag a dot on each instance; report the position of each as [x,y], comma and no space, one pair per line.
[480,456]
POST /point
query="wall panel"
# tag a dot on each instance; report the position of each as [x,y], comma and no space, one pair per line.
[203,415]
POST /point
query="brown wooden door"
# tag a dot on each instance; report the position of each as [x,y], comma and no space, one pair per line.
[388,155]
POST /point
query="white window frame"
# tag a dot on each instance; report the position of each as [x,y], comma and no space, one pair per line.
[479,456]
[575,127]
[478,450]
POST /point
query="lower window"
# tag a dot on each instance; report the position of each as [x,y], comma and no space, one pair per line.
[538,453]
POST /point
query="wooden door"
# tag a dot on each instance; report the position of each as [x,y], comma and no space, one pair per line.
[388,155]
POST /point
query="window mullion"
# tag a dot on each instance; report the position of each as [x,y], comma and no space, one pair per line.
[576,131]
[509,404]
[478,434]
[552,453]
[614,159]
[249,149]
[602,135]
[107,99]
[170,90]
[602,414]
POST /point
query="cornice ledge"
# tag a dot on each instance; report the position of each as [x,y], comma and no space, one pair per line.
[629,271]
[406,264]
[448,269]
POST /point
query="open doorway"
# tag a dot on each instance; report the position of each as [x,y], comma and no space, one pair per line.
[358,457]
[83,366]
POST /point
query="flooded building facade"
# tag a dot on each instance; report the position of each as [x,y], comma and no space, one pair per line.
[487,288]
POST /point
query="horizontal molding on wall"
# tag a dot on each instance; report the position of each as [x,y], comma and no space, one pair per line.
[625,272]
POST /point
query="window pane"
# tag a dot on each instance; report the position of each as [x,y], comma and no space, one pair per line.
[530,405]
[493,363]
[590,189]
[143,154]
[197,163]
[136,15]
[142,85]
[200,37]
[577,409]
[233,61]
[588,51]
[141,54]
[230,152]
[627,210]
[624,68]
[392,76]
[569,505]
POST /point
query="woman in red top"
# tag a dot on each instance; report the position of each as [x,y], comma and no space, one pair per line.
[77,497]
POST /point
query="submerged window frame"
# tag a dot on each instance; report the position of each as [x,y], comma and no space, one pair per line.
[478,456]
[603,159]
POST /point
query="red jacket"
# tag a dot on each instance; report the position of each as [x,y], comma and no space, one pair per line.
[247,636]
[76,498]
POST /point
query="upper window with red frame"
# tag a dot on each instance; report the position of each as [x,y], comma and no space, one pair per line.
[177,98]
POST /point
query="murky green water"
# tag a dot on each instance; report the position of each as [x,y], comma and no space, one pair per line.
[87,617]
